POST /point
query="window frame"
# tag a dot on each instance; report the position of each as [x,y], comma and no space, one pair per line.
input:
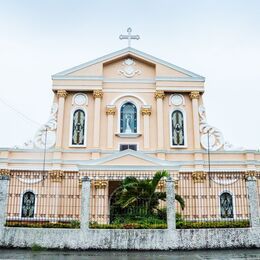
[128,146]
[35,205]
[71,127]
[130,135]
[184,128]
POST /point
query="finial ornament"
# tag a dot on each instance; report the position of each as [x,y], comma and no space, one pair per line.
[129,36]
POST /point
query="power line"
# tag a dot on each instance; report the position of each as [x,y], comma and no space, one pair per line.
[19,113]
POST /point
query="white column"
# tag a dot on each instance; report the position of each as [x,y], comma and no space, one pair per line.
[159,95]
[85,203]
[195,95]
[146,112]
[4,184]
[110,111]
[61,94]
[170,200]
[97,94]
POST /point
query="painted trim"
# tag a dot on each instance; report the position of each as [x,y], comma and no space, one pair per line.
[127,95]
[180,79]
[79,93]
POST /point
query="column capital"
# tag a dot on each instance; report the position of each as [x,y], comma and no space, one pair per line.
[5,172]
[110,110]
[56,175]
[62,93]
[98,93]
[250,174]
[146,110]
[199,176]
[159,94]
[194,95]
[100,184]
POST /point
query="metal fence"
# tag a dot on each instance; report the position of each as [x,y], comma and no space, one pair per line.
[40,197]
[212,197]
[126,198]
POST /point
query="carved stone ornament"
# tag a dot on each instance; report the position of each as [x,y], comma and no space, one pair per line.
[159,94]
[6,172]
[194,95]
[100,184]
[250,173]
[199,176]
[110,110]
[50,136]
[215,140]
[56,175]
[62,93]
[129,69]
[146,110]
[97,93]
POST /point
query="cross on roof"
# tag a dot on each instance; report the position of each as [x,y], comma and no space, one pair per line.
[129,37]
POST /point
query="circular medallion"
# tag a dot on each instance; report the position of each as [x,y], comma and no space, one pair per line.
[80,99]
[177,100]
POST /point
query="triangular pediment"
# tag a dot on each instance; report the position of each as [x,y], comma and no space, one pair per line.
[145,66]
[130,158]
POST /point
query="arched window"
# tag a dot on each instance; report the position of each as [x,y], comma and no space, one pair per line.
[177,128]
[28,205]
[78,127]
[128,118]
[226,205]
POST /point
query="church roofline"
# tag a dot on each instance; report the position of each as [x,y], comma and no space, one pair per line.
[122,52]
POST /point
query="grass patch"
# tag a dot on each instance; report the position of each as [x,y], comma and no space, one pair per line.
[36,247]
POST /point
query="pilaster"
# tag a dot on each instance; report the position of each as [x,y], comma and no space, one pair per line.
[194,96]
[110,112]
[97,94]
[159,96]
[61,94]
[146,112]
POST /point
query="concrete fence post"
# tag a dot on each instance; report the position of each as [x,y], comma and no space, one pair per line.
[4,183]
[170,202]
[85,203]
[253,201]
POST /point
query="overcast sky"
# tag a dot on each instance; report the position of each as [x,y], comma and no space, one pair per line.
[219,40]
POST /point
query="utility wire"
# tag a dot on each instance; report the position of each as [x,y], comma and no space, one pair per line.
[19,113]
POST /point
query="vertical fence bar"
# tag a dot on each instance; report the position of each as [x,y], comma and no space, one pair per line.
[4,183]
[253,201]
[85,202]
[170,200]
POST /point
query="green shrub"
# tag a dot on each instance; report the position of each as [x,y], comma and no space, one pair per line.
[72,224]
[212,224]
[36,247]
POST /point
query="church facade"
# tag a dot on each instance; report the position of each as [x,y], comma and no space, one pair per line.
[126,114]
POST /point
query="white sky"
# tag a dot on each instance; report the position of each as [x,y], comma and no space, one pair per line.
[219,40]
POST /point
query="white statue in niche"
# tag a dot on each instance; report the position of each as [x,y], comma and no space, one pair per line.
[129,69]
[128,129]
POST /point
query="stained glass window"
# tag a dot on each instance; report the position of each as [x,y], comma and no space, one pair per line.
[28,205]
[226,205]
[177,128]
[78,128]
[128,118]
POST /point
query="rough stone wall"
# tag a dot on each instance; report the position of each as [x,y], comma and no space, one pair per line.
[130,239]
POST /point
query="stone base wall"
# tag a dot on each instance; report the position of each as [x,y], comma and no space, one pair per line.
[130,239]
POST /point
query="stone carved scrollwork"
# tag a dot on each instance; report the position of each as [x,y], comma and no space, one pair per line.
[159,94]
[250,173]
[98,93]
[100,184]
[129,69]
[216,140]
[56,175]
[51,126]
